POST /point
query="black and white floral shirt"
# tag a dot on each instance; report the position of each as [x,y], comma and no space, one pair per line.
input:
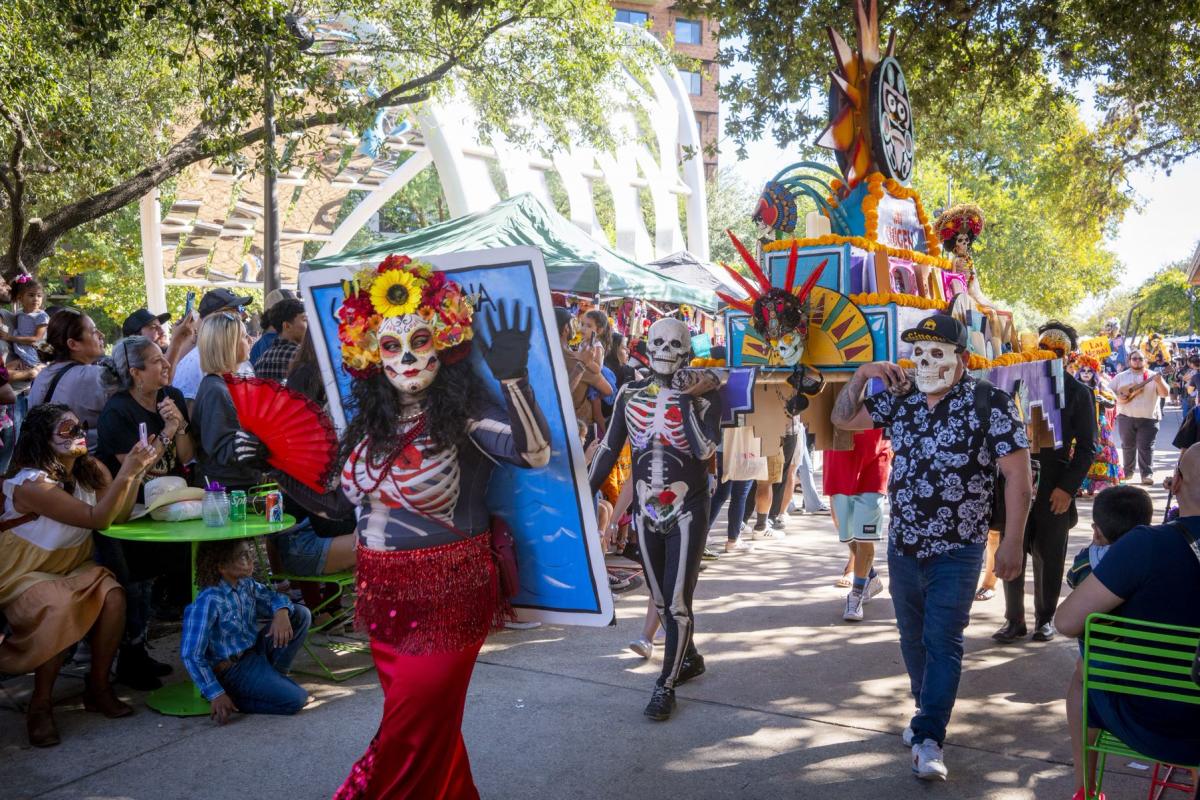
[945,465]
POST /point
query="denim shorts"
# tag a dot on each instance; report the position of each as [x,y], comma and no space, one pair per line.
[301,551]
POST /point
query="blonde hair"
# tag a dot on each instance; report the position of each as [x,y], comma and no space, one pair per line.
[219,337]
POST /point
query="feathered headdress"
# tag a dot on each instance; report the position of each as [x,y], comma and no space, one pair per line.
[774,311]
[400,286]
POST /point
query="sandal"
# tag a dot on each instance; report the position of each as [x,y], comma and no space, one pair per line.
[106,702]
[844,582]
[39,724]
[984,593]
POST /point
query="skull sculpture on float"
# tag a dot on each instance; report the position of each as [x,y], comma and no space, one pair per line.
[779,316]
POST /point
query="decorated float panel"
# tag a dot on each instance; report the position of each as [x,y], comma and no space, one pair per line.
[871,262]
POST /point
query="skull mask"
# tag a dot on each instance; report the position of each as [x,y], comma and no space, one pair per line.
[937,365]
[406,349]
[790,348]
[670,345]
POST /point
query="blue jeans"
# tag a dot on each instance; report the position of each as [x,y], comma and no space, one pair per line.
[258,682]
[932,598]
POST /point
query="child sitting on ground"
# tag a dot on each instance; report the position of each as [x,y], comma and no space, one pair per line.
[237,666]
[1116,511]
[1112,518]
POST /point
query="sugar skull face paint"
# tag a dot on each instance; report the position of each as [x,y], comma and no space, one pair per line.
[407,352]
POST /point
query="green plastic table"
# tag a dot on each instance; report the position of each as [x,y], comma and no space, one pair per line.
[183,699]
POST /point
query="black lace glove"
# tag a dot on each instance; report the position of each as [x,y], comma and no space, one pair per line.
[504,342]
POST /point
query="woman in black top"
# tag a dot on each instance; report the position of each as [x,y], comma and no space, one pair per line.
[223,344]
[140,373]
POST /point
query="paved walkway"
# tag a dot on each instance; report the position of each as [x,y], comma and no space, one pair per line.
[795,704]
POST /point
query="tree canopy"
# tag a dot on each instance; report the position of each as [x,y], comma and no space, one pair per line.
[102,101]
[1160,304]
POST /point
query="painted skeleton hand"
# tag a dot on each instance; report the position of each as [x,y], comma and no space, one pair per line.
[505,341]
[249,450]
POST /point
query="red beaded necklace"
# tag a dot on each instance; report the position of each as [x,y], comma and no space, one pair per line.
[406,441]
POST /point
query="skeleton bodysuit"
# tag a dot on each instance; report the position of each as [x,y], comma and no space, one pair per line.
[671,435]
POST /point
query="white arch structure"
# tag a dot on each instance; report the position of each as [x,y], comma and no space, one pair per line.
[212,234]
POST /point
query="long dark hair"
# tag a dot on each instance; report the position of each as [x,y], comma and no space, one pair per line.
[35,451]
[604,331]
[375,405]
[65,324]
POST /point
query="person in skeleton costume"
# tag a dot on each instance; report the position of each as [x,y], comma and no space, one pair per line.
[418,454]
[671,421]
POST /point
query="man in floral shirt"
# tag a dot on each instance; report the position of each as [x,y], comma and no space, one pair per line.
[941,492]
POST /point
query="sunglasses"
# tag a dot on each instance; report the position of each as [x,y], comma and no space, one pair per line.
[72,430]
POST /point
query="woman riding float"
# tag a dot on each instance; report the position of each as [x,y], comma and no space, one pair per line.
[418,455]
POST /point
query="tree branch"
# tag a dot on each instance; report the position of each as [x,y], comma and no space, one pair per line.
[14,185]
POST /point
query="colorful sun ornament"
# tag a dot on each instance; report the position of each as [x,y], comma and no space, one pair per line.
[852,103]
[774,312]
[400,286]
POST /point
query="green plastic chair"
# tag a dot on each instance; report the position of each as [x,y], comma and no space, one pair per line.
[1138,658]
[333,647]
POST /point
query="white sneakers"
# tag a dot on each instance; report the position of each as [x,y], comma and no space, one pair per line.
[738,546]
[874,587]
[643,647]
[927,761]
[767,533]
[854,607]
[906,736]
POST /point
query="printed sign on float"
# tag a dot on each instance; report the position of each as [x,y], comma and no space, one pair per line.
[1097,347]
[550,510]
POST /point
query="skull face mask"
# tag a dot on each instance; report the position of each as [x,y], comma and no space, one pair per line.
[670,345]
[407,352]
[936,366]
[790,348]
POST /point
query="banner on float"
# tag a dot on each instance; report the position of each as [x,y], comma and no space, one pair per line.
[550,510]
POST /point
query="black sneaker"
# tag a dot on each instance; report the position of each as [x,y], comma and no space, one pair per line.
[661,704]
[693,667]
[134,670]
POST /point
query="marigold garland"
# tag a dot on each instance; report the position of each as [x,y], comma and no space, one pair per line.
[909,300]
[862,244]
[977,362]
[707,362]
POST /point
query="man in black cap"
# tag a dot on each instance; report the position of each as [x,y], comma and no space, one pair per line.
[146,323]
[950,434]
[1061,472]
[187,372]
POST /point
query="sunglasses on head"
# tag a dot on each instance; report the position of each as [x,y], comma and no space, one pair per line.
[72,430]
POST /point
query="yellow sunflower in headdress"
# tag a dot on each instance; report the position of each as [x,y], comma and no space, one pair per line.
[396,293]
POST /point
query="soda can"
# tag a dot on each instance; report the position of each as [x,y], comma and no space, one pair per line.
[237,505]
[274,507]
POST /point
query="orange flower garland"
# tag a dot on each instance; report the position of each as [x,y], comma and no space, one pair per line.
[977,362]
[701,363]
[909,300]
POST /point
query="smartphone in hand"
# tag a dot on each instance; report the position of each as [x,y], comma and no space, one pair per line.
[142,432]
[189,304]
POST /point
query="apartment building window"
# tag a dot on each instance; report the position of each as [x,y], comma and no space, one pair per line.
[692,81]
[632,17]
[688,31]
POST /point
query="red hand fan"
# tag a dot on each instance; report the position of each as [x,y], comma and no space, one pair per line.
[299,435]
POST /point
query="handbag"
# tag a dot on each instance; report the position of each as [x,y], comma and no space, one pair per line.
[741,449]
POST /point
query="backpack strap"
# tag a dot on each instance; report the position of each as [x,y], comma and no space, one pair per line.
[58,377]
[1192,539]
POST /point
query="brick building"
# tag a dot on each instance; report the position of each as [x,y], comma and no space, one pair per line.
[695,37]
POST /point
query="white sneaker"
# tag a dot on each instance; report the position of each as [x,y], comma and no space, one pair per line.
[643,647]
[777,524]
[874,587]
[927,762]
[766,533]
[854,610]
[794,509]
[739,546]
[906,736]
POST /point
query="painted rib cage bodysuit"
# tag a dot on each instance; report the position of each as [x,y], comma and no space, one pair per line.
[672,436]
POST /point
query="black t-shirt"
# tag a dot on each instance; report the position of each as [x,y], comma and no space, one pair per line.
[118,432]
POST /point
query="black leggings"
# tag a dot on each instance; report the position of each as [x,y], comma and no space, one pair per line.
[671,558]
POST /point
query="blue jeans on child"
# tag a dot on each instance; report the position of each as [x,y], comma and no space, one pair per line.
[258,682]
[932,598]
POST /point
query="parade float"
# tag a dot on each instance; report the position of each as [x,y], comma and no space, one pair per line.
[835,289]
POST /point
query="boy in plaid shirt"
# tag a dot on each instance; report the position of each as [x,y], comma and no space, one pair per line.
[237,666]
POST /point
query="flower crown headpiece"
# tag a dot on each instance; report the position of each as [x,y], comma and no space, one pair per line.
[962,218]
[397,287]
[1083,360]
[775,312]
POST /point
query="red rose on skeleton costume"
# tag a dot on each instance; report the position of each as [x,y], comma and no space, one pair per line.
[674,414]
[666,497]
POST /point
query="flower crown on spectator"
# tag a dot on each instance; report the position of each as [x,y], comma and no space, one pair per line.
[397,287]
[24,277]
[1083,360]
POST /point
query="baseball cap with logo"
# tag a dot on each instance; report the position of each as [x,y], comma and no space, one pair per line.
[215,300]
[938,328]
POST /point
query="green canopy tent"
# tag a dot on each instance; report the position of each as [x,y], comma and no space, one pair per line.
[575,262]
